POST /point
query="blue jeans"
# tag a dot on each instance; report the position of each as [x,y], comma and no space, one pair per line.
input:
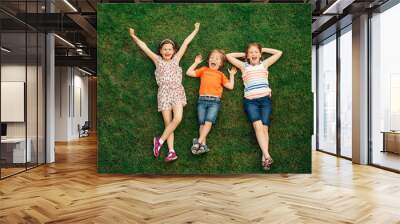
[207,109]
[258,109]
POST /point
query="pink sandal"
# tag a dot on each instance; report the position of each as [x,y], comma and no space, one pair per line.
[171,157]
[156,146]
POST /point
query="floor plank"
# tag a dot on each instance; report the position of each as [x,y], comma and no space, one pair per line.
[70,191]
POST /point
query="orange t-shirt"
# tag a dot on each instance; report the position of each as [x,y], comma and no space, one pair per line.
[211,81]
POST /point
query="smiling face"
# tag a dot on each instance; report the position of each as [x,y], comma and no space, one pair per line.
[253,54]
[216,60]
[167,51]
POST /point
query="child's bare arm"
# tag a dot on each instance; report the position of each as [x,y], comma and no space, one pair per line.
[276,54]
[231,82]
[191,70]
[142,45]
[187,41]
[233,59]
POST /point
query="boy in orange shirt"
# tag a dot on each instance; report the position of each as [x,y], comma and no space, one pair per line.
[212,81]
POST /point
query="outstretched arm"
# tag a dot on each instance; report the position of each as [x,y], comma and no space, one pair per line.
[233,59]
[142,45]
[187,41]
[191,71]
[231,83]
[276,54]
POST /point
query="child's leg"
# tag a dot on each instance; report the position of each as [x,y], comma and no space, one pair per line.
[266,110]
[200,130]
[204,132]
[167,116]
[261,137]
[201,114]
[211,117]
[267,139]
[170,128]
[258,112]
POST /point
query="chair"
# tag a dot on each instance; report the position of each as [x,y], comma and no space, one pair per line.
[84,130]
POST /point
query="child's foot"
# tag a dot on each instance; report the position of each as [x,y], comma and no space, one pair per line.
[156,146]
[266,164]
[195,146]
[203,149]
[171,156]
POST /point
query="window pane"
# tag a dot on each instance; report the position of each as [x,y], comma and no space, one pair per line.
[385,84]
[31,97]
[346,93]
[14,148]
[327,96]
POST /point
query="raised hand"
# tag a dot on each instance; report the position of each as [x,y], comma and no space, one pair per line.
[232,71]
[131,32]
[196,26]
[198,59]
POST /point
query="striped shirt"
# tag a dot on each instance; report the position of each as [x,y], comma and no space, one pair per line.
[255,79]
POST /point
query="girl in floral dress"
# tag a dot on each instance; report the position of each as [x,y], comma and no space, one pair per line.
[171,96]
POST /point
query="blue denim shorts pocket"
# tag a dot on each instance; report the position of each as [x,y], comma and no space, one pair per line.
[258,109]
[207,110]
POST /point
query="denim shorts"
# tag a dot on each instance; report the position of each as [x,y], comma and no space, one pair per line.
[258,109]
[207,109]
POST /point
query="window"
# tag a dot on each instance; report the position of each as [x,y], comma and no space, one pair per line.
[346,74]
[22,76]
[385,88]
[327,95]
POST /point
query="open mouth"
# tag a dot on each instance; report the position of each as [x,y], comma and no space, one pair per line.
[213,65]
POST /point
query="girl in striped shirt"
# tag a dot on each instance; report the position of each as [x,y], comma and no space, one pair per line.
[257,92]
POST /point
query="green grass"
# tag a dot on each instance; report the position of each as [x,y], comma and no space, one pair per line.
[127,90]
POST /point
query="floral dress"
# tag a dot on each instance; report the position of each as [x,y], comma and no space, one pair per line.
[169,80]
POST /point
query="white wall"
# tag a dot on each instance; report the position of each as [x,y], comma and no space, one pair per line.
[12,73]
[62,81]
[81,83]
[71,94]
[16,72]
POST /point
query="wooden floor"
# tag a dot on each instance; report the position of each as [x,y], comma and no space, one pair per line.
[70,191]
[387,159]
[5,172]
